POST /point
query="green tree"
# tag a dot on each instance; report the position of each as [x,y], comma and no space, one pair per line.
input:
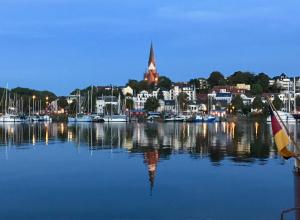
[246,109]
[278,104]
[183,101]
[237,103]
[164,83]
[257,103]
[195,82]
[160,95]
[216,79]
[62,103]
[134,84]
[151,104]
[241,77]
[298,101]
[129,104]
[143,85]
[256,89]
[263,80]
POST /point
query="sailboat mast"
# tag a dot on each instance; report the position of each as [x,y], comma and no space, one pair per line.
[295,104]
[79,104]
[88,103]
[119,104]
[289,97]
[6,99]
[92,99]
[111,100]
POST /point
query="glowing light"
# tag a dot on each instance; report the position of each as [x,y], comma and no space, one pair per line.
[62,128]
[204,129]
[33,139]
[232,130]
[256,128]
[47,135]
[70,135]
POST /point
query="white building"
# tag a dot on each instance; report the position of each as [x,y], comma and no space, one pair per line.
[102,102]
[183,88]
[127,91]
[140,100]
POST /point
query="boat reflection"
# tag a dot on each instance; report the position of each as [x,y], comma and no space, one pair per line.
[239,142]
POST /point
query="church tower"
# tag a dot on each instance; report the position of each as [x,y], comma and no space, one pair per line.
[151,76]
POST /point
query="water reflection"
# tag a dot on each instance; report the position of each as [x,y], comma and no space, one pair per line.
[191,157]
[240,143]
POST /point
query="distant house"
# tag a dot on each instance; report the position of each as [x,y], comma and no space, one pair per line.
[140,100]
[169,106]
[183,88]
[127,91]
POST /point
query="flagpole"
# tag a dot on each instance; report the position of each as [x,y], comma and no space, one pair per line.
[286,129]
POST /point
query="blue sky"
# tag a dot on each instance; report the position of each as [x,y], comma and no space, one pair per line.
[63,44]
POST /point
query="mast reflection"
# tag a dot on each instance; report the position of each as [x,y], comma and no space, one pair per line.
[238,142]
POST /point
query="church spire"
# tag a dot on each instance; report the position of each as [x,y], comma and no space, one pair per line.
[151,57]
[151,76]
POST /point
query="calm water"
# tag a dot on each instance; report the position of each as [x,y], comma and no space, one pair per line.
[143,171]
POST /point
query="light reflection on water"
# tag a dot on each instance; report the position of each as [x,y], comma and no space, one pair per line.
[204,165]
[244,142]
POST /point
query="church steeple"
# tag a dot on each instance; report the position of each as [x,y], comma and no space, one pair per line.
[151,57]
[151,76]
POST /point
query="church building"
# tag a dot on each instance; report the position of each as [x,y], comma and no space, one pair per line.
[151,76]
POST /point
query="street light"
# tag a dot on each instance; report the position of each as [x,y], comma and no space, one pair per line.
[47,98]
[33,98]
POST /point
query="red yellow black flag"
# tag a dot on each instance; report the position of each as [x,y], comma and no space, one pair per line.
[281,138]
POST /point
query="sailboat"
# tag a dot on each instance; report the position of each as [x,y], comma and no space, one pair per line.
[115,118]
[178,117]
[79,117]
[10,112]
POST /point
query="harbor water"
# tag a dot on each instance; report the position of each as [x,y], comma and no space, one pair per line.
[144,171]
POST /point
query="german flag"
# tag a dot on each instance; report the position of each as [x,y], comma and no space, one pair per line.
[282,140]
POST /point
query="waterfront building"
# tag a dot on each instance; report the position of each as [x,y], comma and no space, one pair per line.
[127,91]
[151,76]
[169,106]
[193,107]
[183,88]
[140,100]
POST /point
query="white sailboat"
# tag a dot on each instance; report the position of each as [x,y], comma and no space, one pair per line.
[9,112]
[80,117]
[115,118]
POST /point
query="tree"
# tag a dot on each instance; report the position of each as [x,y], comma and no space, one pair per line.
[298,101]
[164,83]
[241,77]
[183,101]
[134,84]
[216,79]
[143,85]
[151,104]
[237,103]
[256,89]
[278,104]
[263,80]
[194,82]
[160,95]
[257,103]
[62,103]
[129,104]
